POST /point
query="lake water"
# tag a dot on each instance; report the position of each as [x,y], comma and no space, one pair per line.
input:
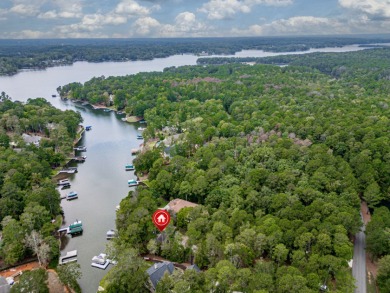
[102,180]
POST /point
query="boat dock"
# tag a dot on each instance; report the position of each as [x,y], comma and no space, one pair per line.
[69,257]
[70,170]
[79,159]
[100,261]
[62,230]
[135,151]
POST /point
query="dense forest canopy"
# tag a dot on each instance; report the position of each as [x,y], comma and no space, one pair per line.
[29,201]
[39,54]
[278,160]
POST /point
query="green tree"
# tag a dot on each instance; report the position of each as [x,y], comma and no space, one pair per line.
[129,275]
[32,281]
[383,278]
[12,247]
[69,274]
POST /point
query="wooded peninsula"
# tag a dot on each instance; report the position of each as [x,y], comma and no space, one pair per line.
[271,162]
[277,159]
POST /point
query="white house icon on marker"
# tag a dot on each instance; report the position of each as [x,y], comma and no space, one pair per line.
[161,219]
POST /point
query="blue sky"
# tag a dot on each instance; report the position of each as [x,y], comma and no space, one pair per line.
[184,18]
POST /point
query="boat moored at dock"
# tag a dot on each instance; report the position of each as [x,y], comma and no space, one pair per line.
[139,136]
[132,182]
[80,159]
[80,148]
[72,195]
[76,228]
[63,182]
[129,167]
[100,261]
[110,234]
[88,128]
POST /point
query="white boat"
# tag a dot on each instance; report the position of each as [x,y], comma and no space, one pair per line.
[80,148]
[132,182]
[110,234]
[141,128]
[100,261]
[129,167]
[72,195]
[63,182]
[117,207]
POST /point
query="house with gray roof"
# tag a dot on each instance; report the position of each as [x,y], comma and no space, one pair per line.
[31,139]
[193,267]
[157,271]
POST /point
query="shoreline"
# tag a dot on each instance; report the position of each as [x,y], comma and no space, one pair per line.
[197,54]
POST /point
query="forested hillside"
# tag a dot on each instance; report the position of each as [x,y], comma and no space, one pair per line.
[277,158]
[29,202]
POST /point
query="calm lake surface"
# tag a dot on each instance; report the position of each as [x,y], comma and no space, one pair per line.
[101,181]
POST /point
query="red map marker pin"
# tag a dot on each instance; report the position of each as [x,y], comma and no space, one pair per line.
[161,219]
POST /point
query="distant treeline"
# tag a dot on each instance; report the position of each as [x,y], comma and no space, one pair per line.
[40,54]
[328,63]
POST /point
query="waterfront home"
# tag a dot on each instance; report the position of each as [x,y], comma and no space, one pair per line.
[157,271]
[31,139]
[193,267]
[177,204]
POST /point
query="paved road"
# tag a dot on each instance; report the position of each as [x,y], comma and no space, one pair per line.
[359,262]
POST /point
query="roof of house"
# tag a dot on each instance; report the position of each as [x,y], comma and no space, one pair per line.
[157,271]
[177,204]
[193,267]
[30,139]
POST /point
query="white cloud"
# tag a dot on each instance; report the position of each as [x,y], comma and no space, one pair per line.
[52,14]
[24,9]
[131,7]
[299,25]
[226,9]
[61,9]
[185,25]
[372,7]
[145,25]
[270,2]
